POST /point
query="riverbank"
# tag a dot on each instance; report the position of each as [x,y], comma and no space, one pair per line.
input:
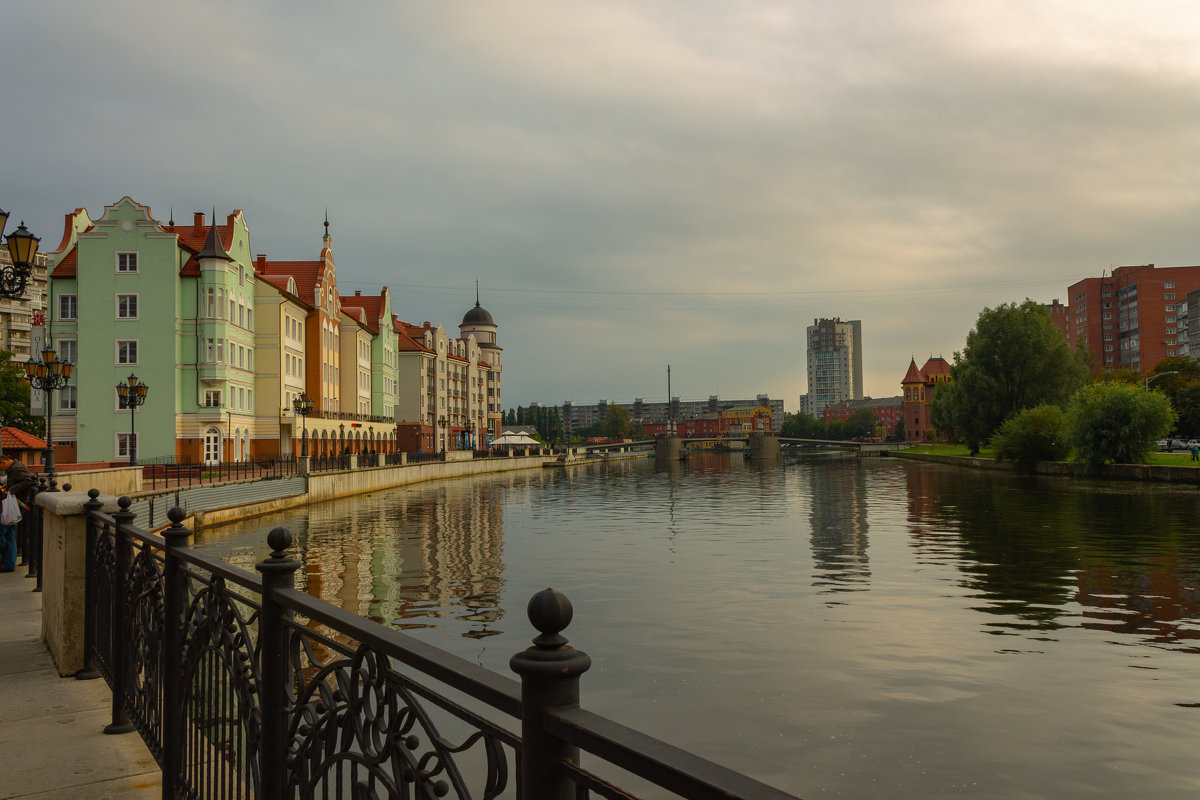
[1161,473]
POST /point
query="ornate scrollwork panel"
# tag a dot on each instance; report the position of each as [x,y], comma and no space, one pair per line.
[221,697]
[145,587]
[358,729]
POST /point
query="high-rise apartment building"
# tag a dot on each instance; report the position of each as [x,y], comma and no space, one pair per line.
[1129,319]
[834,364]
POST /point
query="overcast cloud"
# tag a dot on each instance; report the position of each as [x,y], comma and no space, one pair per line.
[634,183]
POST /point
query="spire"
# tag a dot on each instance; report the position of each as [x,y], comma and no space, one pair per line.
[326,222]
[212,245]
[477,293]
[171,221]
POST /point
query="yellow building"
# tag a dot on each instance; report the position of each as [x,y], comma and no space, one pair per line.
[744,420]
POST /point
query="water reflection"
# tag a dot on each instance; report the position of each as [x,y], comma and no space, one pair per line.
[872,628]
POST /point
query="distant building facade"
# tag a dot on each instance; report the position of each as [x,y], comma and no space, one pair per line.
[887,410]
[19,316]
[834,361]
[1132,318]
[576,416]
[920,385]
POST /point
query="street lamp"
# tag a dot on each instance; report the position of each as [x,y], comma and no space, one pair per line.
[1152,378]
[443,422]
[303,406]
[22,246]
[133,394]
[49,374]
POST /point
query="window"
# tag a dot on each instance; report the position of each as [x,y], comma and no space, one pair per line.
[220,351]
[1168,284]
[210,304]
[127,351]
[67,308]
[1169,308]
[127,262]
[1168,295]
[1171,330]
[127,306]
[125,442]
[212,398]
[68,351]
[67,397]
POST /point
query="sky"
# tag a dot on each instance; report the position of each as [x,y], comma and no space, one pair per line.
[636,184]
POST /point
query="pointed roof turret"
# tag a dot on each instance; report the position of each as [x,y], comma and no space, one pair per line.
[913,375]
[212,245]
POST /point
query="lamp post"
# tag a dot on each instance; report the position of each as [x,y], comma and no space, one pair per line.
[133,394]
[443,422]
[303,406]
[22,246]
[48,375]
[1152,378]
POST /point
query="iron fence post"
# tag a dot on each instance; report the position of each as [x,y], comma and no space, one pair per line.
[278,573]
[89,671]
[120,618]
[31,539]
[549,671]
[174,607]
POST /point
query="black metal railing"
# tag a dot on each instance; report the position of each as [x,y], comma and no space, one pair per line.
[422,458]
[329,463]
[29,533]
[180,473]
[244,687]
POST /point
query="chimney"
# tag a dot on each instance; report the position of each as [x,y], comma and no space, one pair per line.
[198,220]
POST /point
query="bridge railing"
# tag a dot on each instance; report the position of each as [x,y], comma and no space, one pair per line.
[244,687]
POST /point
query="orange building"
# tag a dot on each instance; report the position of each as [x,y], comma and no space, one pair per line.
[919,388]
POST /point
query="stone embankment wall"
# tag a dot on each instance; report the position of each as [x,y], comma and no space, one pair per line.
[324,486]
[1127,472]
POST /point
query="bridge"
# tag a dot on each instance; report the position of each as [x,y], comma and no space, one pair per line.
[767,446]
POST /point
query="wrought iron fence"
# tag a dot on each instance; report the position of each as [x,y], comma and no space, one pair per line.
[422,458]
[329,463]
[29,534]
[165,473]
[244,687]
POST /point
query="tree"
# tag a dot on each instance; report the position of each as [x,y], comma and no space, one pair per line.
[1033,435]
[1187,406]
[617,423]
[861,424]
[1117,422]
[1015,358]
[801,426]
[14,398]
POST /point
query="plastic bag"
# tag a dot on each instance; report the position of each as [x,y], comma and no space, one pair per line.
[10,511]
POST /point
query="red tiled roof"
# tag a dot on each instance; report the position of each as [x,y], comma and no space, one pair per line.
[913,375]
[17,439]
[936,365]
[69,229]
[69,266]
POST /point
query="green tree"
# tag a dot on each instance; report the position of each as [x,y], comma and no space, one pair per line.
[1015,358]
[1117,422]
[801,426]
[1033,435]
[617,423]
[1187,406]
[14,398]
[861,424]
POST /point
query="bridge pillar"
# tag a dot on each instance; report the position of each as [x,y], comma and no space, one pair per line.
[668,448]
[764,447]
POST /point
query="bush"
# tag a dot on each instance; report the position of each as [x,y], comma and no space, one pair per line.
[1117,422]
[1033,435]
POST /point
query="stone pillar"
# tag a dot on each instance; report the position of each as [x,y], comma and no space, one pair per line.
[354,461]
[304,465]
[64,567]
[764,447]
[668,448]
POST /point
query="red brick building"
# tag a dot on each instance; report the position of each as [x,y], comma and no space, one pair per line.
[703,428]
[920,385]
[888,411]
[1128,320]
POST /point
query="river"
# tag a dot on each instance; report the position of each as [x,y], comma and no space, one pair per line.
[835,627]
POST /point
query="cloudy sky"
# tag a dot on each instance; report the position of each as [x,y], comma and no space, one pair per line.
[636,184]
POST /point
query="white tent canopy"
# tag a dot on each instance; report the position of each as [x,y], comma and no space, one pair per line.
[514,440]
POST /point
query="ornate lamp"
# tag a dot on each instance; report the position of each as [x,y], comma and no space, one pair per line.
[303,406]
[48,375]
[22,246]
[133,394]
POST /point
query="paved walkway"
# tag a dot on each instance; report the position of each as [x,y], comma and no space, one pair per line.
[52,745]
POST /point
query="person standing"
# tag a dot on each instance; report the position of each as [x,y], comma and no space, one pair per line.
[1195,452]
[18,482]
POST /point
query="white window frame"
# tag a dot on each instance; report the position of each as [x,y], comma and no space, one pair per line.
[136,304]
[122,261]
[73,344]
[67,391]
[214,394]
[73,301]
[117,353]
[123,438]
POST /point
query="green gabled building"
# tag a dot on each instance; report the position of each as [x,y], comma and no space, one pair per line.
[172,304]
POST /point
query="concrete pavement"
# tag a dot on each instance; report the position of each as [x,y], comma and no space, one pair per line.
[52,744]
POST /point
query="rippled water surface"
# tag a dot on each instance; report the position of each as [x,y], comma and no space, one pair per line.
[872,628]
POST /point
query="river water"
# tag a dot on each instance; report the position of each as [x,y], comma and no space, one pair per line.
[834,627]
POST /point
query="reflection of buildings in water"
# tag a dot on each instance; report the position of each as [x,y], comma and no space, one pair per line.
[1161,604]
[408,557]
[839,528]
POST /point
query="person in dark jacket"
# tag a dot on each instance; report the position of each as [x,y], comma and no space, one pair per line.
[18,483]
